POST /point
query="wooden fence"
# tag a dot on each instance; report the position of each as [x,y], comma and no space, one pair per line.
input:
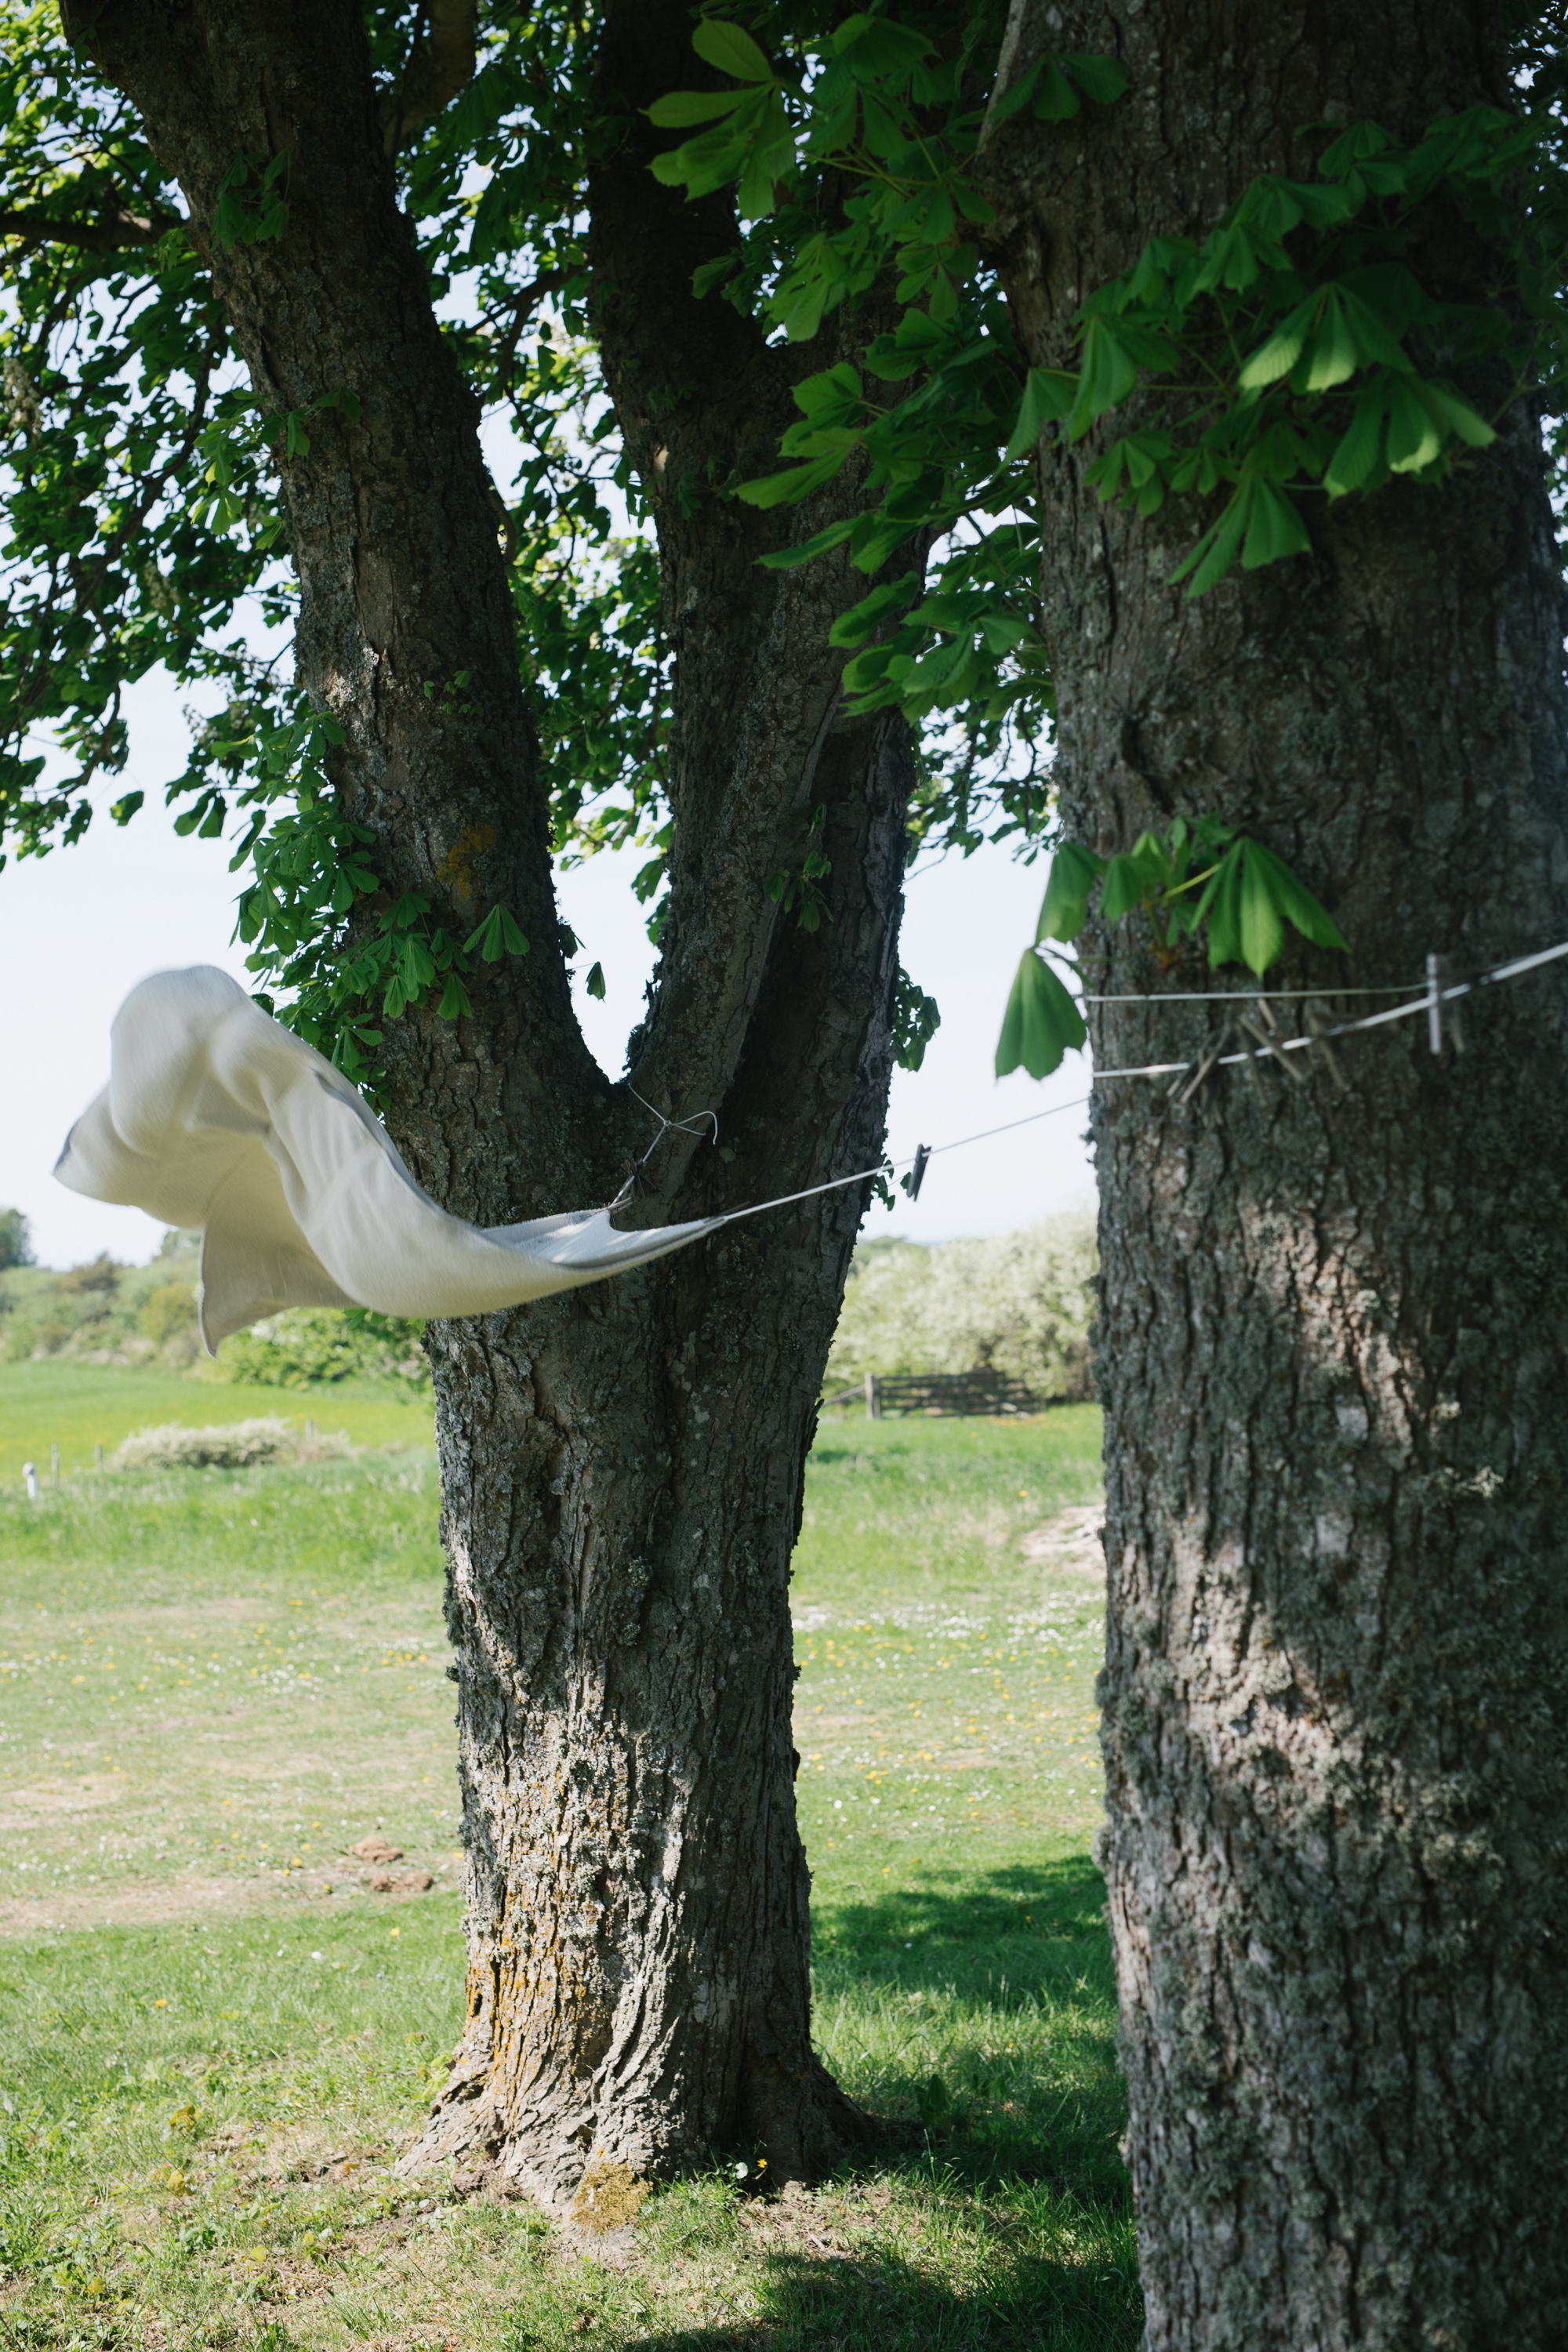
[971,1395]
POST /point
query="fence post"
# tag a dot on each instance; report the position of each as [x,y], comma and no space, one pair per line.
[873,1407]
[30,1480]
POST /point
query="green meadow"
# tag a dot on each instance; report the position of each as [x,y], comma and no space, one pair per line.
[217,2036]
[79,1407]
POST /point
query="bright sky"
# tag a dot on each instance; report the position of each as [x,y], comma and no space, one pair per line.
[80,928]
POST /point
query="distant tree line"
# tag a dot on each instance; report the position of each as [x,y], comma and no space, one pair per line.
[106,1313]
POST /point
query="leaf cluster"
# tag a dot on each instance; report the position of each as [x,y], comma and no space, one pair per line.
[1199,875]
[1297,350]
[146,531]
[863,180]
[1306,348]
[114,361]
[1309,349]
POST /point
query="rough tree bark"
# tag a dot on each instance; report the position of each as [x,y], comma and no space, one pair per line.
[1331,1341]
[621,1470]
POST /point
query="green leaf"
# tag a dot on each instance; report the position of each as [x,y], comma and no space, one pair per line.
[789,488]
[123,810]
[1275,529]
[1262,932]
[595,982]
[1049,394]
[1112,356]
[1065,907]
[1126,886]
[713,273]
[732,49]
[1056,100]
[1041,1023]
[1013,98]
[1220,907]
[1452,409]
[1279,354]
[1352,147]
[1413,435]
[497,936]
[1374,345]
[454,999]
[681,108]
[1294,899]
[857,627]
[1361,449]
[1104,80]
[1251,897]
[787,559]
[1218,549]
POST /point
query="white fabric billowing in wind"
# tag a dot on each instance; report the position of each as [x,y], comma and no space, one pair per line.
[218,1119]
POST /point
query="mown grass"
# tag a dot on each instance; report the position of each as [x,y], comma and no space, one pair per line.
[209,2064]
[79,1406]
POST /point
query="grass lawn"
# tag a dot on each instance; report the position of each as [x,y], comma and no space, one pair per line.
[77,1406]
[215,2038]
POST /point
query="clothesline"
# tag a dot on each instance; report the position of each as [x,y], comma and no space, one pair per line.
[1430,1002]
[218,1119]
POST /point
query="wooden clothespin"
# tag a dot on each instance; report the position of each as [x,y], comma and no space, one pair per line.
[1267,1037]
[1318,1025]
[1205,1066]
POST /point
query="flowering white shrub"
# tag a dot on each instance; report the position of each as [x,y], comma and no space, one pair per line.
[1020,1303]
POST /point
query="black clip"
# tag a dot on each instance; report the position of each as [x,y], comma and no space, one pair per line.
[911,1182]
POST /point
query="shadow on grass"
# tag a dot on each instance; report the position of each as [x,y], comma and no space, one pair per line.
[977,2020]
[1046,1919]
[1030,2301]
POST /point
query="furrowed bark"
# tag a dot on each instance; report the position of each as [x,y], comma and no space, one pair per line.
[1332,1343]
[622,1468]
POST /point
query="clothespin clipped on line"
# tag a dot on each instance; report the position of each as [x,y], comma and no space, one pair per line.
[1265,1033]
[1185,1086]
[911,1182]
[1441,1015]
[1319,1023]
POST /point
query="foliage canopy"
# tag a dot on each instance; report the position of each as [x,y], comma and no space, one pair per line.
[1296,354]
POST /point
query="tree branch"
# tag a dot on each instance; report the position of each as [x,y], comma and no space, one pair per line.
[537,290]
[91,236]
[440,61]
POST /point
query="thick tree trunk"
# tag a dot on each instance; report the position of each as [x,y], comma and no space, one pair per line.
[621,1468]
[1333,1335]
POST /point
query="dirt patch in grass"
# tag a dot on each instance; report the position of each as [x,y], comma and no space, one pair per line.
[1072,1541]
[20,1808]
[185,1897]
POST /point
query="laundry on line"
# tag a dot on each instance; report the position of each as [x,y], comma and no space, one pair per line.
[219,1120]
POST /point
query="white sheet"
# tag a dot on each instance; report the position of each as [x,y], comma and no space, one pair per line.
[218,1119]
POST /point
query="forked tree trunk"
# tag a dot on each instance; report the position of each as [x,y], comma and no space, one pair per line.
[1332,1343]
[621,1469]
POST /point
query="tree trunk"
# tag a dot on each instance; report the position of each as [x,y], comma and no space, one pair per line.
[1331,1343]
[621,1468]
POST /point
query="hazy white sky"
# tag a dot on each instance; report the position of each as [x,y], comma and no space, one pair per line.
[80,928]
